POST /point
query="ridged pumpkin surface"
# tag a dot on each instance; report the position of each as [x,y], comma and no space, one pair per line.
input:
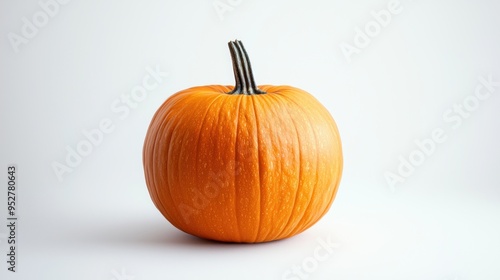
[242,168]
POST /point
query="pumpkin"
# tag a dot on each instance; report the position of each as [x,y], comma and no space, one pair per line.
[242,163]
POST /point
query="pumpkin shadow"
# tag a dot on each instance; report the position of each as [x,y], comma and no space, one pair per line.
[152,234]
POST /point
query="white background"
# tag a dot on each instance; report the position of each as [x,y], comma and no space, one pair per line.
[441,223]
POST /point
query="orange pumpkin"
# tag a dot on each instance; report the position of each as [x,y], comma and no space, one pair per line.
[243,163]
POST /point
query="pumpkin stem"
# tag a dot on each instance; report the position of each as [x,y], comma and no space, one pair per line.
[243,75]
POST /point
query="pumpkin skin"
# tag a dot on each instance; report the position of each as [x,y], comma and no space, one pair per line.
[242,167]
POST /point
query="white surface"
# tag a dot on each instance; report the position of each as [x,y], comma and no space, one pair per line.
[99,222]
